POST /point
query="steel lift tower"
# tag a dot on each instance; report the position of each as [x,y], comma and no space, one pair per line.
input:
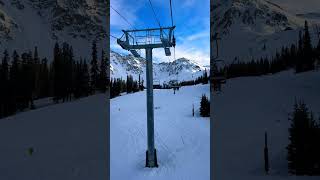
[148,39]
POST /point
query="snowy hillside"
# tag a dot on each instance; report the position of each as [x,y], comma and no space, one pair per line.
[28,23]
[182,141]
[247,108]
[245,26]
[68,141]
[181,69]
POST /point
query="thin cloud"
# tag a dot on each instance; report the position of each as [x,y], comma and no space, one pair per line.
[188,3]
[200,35]
[127,10]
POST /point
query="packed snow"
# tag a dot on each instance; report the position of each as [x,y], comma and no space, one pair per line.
[249,106]
[68,142]
[182,141]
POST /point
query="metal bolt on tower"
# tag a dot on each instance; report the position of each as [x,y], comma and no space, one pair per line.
[149,39]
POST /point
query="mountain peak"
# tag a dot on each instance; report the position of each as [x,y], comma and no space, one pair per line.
[253,28]
[181,69]
[259,15]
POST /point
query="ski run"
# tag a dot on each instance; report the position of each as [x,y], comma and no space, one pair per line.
[68,140]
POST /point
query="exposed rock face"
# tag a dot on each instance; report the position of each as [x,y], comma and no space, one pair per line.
[250,13]
[79,18]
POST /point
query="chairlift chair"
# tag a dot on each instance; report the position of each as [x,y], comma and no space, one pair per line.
[219,75]
[156,84]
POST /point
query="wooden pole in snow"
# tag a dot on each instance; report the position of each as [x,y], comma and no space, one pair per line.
[266,157]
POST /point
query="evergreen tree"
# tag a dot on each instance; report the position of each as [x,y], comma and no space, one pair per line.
[307,49]
[94,67]
[103,73]
[77,79]
[4,90]
[129,84]
[85,79]
[205,77]
[57,73]
[5,66]
[204,106]
[44,80]
[15,87]
[70,73]
[299,60]
[64,84]
[36,72]
[139,82]
[141,85]
[31,76]
[264,47]
[317,52]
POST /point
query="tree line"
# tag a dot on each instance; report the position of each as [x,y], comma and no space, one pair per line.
[118,86]
[203,79]
[27,77]
[301,57]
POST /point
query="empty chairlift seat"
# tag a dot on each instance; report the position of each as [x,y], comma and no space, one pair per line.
[167,51]
[135,53]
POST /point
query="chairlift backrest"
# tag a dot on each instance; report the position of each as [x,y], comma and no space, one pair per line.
[219,73]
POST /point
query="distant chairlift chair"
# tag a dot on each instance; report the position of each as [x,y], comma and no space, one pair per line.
[219,74]
[156,84]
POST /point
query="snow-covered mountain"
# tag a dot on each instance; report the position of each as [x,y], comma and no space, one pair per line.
[181,69]
[245,26]
[28,23]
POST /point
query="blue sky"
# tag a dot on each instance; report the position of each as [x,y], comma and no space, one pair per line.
[191,17]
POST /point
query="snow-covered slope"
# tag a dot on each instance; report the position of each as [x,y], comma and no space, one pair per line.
[247,25]
[181,69]
[69,142]
[28,23]
[182,141]
[247,108]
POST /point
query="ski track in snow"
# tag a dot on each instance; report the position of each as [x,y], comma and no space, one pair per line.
[182,141]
